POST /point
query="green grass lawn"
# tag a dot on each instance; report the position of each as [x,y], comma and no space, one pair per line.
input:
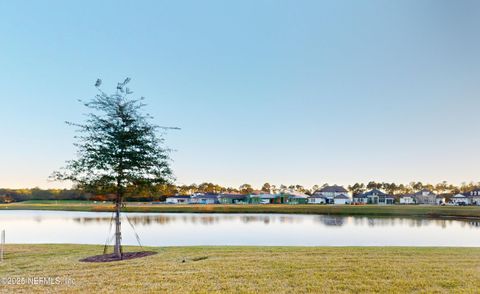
[365,210]
[250,270]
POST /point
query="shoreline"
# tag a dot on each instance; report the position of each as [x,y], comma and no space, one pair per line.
[414,211]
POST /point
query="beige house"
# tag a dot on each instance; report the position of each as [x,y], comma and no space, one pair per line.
[425,197]
[407,199]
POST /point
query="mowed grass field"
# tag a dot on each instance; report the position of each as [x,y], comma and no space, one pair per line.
[249,270]
[364,210]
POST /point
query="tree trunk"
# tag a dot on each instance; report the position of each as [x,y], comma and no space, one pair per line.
[118,234]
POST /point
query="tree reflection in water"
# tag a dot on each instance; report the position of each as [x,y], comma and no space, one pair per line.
[173,229]
[327,220]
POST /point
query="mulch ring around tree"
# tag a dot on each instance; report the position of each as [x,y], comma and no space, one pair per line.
[113,257]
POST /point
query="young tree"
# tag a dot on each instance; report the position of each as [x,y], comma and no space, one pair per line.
[118,147]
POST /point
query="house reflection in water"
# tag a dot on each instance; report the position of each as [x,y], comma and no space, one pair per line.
[255,229]
[327,220]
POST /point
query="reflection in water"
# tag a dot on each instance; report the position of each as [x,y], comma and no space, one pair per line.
[327,220]
[178,229]
[474,223]
[192,219]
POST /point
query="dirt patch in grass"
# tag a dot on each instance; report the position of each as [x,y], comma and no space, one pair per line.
[194,259]
[199,258]
[113,257]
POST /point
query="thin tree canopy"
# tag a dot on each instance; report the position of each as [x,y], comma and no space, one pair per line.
[117,145]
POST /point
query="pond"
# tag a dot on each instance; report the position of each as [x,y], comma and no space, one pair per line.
[185,229]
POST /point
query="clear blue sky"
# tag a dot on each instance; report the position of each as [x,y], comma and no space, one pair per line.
[292,92]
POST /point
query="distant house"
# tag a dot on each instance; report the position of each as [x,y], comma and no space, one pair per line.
[474,196]
[297,200]
[407,199]
[341,199]
[178,199]
[233,198]
[360,199]
[205,199]
[440,200]
[268,198]
[317,199]
[295,197]
[6,199]
[262,198]
[376,196]
[330,192]
[425,197]
[460,199]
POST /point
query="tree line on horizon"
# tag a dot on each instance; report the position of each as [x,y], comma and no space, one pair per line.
[161,191]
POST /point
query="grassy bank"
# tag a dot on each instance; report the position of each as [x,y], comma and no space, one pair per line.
[250,269]
[366,210]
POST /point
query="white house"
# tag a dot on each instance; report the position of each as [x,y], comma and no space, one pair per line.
[341,199]
[330,192]
[178,199]
[407,199]
[317,199]
[440,200]
[460,199]
[360,199]
[205,199]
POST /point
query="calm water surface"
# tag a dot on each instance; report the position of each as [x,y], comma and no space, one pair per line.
[180,229]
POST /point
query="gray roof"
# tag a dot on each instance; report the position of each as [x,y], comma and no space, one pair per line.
[264,196]
[419,193]
[374,192]
[334,188]
[233,196]
[360,196]
[317,196]
[377,193]
[207,196]
[342,196]
[474,192]
[180,196]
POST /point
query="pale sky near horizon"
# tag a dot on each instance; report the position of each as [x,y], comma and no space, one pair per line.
[286,92]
